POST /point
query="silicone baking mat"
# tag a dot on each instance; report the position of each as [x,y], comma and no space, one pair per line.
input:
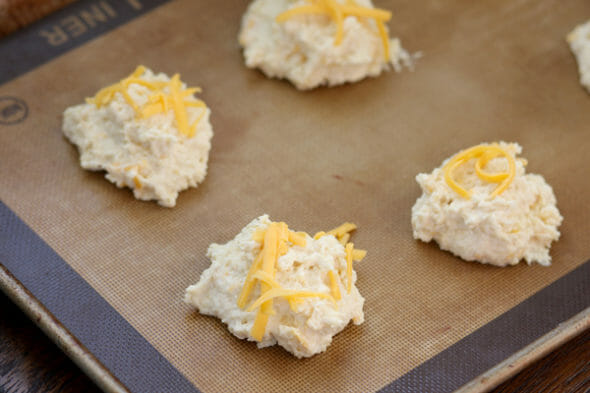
[109,271]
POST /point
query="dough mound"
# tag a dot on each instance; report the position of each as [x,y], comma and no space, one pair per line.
[148,155]
[520,223]
[579,41]
[309,328]
[302,50]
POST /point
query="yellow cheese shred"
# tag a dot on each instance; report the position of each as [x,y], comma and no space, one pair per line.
[342,229]
[342,233]
[267,279]
[318,235]
[283,239]
[106,94]
[259,326]
[483,153]
[286,293]
[358,255]
[334,285]
[337,12]
[269,258]
[297,239]
[344,239]
[275,241]
[259,236]
[164,96]
[348,249]
[249,283]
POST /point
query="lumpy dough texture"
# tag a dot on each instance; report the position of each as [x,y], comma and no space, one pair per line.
[148,155]
[302,48]
[579,41]
[520,223]
[309,328]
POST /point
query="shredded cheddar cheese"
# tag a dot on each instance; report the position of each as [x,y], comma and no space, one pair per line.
[337,12]
[342,229]
[297,238]
[249,283]
[344,239]
[348,249]
[287,293]
[269,280]
[334,285]
[275,242]
[358,255]
[164,96]
[342,233]
[269,258]
[483,153]
[259,326]
[318,235]
[259,236]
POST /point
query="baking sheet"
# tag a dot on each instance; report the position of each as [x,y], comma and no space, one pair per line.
[490,71]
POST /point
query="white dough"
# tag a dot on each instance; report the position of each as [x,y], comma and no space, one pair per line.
[304,332]
[520,223]
[149,155]
[579,41]
[302,49]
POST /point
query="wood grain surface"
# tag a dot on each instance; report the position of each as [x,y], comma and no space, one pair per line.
[15,14]
[31,363]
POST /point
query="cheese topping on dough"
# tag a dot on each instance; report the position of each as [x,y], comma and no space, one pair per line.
[320,42]
[165,95]
[274,243]
[272,286]
[334,285]
[348,250]
[147,131]
[480,220]
[338,12]
[484,153]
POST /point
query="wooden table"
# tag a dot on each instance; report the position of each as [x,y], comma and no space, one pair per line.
[31,363]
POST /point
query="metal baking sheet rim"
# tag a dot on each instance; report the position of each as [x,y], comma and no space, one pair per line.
[564,332]
[58,333]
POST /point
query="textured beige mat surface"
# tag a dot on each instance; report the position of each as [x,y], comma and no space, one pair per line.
[491,70]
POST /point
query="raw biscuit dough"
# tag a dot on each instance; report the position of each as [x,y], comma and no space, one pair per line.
[520,223]
[309,328]
[579,41]
[302,49]
[147,154]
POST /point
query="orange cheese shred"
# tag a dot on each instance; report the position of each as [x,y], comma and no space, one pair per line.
[348,249]
[344,239]
[483,153]
[275,241]
[337,12]
[249,283]
[342,229]
[282,292]
[259,326]
[164,96]
[358,255]
[297,239]
[269,258]
[334,285]
[318,235]
[259,236]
